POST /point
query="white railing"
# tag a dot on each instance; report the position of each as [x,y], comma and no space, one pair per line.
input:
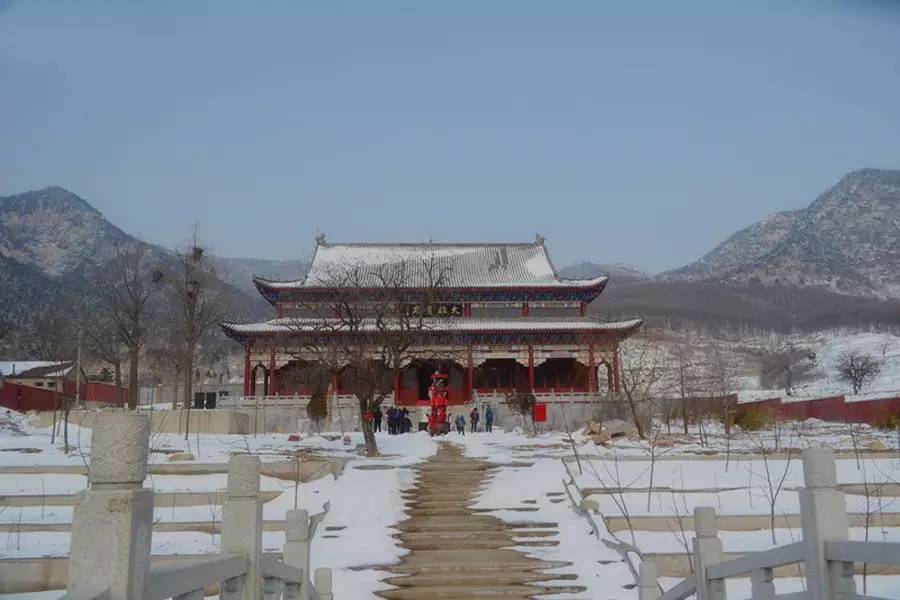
[827,557]
[109,557]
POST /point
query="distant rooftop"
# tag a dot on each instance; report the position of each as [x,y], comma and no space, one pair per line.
[34,368]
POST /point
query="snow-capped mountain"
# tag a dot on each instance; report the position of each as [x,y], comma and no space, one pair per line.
[619,272]
[847,240]
[51,238]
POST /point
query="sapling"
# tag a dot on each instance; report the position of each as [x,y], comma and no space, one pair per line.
[773,481]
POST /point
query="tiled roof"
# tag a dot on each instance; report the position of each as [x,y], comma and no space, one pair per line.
[34,368]
[456,325]
[433,265]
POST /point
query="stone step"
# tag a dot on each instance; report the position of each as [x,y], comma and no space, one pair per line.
[474,544]
[495,535]
[431,579]
[461,592]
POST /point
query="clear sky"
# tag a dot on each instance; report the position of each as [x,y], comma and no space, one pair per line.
[643,132]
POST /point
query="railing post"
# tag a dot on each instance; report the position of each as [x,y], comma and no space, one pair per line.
[762,585]
[273,588]
[323,584]
[823,518]
[707,551]
[113,521]
[242,520]
[296,546]
[648,587]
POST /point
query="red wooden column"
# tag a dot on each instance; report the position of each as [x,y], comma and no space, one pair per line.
[467,309]
[279,309]
[530,368]
[592,370]
[334,384]
[470,375]
[247,372]
[615,369]
[525,309]
[273,380]
[582,308]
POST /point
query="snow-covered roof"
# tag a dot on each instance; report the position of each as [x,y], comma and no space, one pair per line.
[466,325]
[433,265]
[34,368]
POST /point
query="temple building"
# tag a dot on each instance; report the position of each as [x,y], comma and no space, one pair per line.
[492,316]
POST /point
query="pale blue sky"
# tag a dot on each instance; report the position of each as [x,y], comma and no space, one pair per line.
[643,132]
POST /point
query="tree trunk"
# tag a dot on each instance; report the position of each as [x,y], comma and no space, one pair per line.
[188,388]
[66,407]
[133,357]
[634,415]
[367,429]
[175,386]
[369,437]
[117,367]
[684,414]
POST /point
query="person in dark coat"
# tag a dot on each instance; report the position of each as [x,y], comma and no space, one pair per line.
[460,425]
[473,418]
[376,420]
[488,419]
[405,423]
[392,420]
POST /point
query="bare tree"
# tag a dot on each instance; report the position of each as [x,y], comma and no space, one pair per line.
[781,363]
[103,344]
[857,369]
[202,306]
[773,476]
[371,327]
[125,287]
[721,381]
[166,354]
[522,402]
[641,370]
[684,359]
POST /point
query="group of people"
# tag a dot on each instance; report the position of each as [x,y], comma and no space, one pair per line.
[474,418]
[398,420]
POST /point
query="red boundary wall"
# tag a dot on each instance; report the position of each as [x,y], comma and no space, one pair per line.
[26,397]
[834,408]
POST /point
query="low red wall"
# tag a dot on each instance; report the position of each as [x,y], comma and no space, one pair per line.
[834,408]
[97,392]
[25,397]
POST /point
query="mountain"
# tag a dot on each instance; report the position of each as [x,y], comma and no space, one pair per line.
[618,272]
[239,272]
[55,231]
[51,239]
[847,240]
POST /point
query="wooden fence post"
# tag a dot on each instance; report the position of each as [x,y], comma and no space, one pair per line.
[113,521]
[707,551]
[823,518]
[242,521]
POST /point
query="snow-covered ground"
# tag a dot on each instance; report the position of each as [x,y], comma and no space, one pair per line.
[365,503]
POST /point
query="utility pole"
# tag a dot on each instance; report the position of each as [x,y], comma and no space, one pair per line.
[78,373]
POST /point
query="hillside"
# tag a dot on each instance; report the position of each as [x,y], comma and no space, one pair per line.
[51,238]
[239,272]
[620,272]
[847,240]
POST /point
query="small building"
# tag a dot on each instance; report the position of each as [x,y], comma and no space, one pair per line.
[495,317]
[44,374]
[46,385]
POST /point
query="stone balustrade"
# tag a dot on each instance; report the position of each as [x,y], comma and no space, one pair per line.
[828,558]
[113,526]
